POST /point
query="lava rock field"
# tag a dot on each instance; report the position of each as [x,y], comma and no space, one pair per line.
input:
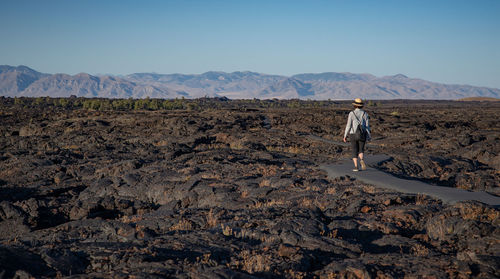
[238,193]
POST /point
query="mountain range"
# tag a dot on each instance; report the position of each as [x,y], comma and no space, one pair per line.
[24,81]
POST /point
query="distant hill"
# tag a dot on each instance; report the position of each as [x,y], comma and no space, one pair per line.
[479,99]
[85,85]
[213,84]
[347,85]
[23,81]
[16,79]
[287,88]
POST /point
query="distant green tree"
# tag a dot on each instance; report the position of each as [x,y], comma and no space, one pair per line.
[76,103]
[154,104]
[96,104]
[62,102]
[139,104]
[38,101]
[167,105]
[117,105]
[86,104]
[293,104]
[105,104]
[18,101]
[192,106]
[48,101]
[92,104]
[178,103]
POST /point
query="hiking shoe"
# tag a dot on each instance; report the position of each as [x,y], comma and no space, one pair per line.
[363,165]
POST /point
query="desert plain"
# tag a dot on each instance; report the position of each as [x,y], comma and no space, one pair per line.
[234,189]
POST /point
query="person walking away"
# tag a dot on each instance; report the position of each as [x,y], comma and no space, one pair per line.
[358,128]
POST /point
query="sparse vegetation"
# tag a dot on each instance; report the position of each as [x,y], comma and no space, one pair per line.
[101,104]
[179,188]
[372,103]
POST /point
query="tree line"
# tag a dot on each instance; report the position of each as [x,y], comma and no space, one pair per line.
[153,104]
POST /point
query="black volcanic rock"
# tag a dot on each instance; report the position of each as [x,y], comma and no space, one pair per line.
[19,263]
[229,193]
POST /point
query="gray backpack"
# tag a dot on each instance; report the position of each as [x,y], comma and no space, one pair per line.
[360,133]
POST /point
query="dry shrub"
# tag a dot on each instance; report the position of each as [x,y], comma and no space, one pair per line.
[224,138]
[270,203]
[252,262]
[290,273]
[331,191]
[267,170]
[357,272]
[131,219]
[369,189]
[272,148]
[182,225]
[237,233]
[318,202]
[382,275]
[244,194]
[288,149]
[226,230]
[237,145]
[265,183]
[420,199]
[473,211]
[139,230]
[313,188]
[71,147]
[419,250]
[295,150]
[212,219]
[321,203]
[330,234]
[266,238]
[205,259]
[161,143]
[306,202]
[126,231]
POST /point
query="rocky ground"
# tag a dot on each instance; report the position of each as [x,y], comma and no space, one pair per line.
[223,193]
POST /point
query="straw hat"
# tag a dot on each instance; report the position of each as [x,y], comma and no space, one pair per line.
[358,102]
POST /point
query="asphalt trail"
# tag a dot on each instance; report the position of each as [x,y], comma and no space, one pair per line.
[379,178]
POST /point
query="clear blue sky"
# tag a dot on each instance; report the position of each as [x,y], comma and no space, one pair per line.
[445,41]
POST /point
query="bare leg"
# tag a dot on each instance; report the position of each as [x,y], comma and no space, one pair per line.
[363,166]
[355,160]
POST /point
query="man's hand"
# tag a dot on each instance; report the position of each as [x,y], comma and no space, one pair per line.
[345,140]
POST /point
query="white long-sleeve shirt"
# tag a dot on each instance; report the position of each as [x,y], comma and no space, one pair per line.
[352,122]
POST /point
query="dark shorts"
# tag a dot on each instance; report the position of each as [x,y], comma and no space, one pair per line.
[357,147]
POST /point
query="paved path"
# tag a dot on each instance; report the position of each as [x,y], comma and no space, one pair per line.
[385,180]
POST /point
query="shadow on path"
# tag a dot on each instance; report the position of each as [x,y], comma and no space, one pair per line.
[385,180]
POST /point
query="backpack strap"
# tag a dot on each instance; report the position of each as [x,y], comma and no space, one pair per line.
[358,118]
